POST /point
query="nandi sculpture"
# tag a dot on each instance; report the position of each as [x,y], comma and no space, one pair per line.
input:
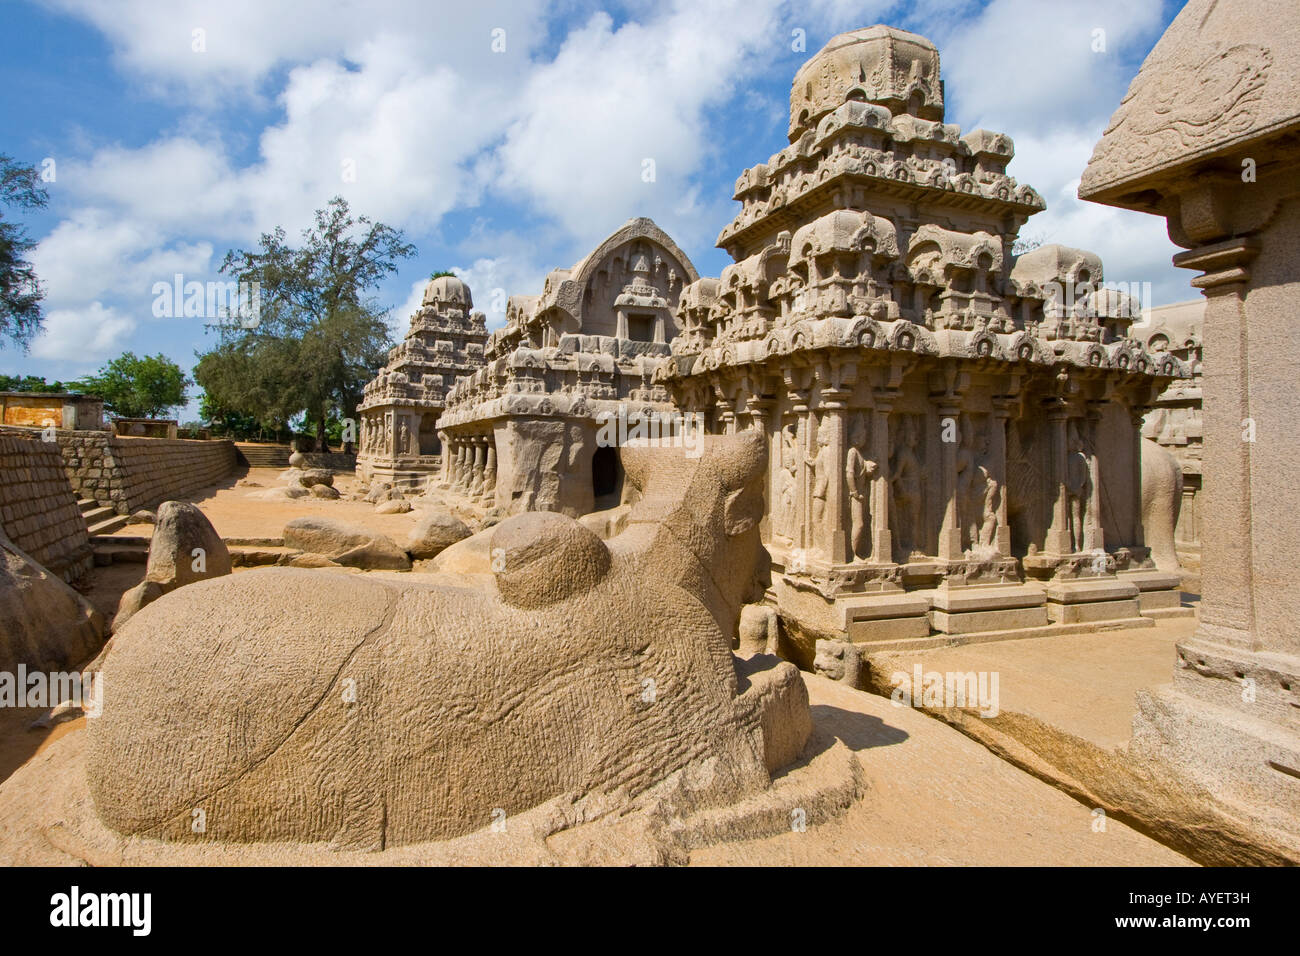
[375,711]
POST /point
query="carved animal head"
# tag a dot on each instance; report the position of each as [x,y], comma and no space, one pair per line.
[704,514]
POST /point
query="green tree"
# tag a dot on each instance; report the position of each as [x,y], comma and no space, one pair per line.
[20,290]
[30,383]
[319,335]
[134,387]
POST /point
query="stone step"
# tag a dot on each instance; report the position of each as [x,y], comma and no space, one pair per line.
[264,456]
[106,525]
[87,504]
[120,554]
[97,514]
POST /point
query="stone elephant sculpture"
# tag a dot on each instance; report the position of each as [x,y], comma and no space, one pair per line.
[370,711]
[1162,498]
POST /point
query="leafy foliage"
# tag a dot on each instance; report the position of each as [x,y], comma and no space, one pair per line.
[31,383]
[320,336]
[138,387]
[20,290]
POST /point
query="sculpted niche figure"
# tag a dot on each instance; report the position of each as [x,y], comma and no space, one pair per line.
[822,468]
[1078,487]
[992,489]
[403,438]
[858,472]
[906,478]
[789,482]
[979,491]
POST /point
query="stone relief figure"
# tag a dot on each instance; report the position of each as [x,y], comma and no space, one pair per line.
[789,481]
[403,438]
[979,492]
[988,532]
[821,466]
[388,433]
[858,472]
[906,479]
[1078,486]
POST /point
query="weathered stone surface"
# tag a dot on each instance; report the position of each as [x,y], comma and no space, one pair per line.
[132,600]
[38,510]
[326,536]
[612,686]
[324,491]
[434,532]
[393,506]
[181,531]
[44,624]
[377,554]
[759,630]
[345,544]
[184,548]
[310,477]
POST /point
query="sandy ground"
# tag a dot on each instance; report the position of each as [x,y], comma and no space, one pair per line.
[936,797]
[1082,683]
[933,797]
[236,513]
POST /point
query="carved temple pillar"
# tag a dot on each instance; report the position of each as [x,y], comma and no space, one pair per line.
[760,410]
[490,470]
[461,465]
[1093,535]
[833,538]
[480,459]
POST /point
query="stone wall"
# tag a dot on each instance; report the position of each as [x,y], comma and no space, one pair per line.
[154,470]
[335,460]
[132,473]
[38,510]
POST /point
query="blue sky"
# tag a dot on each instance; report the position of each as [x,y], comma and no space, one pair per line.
[170,146]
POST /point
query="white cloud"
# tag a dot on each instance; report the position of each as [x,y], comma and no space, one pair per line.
[244,41]
[614,101]
[1032,65]
[433,122]
[82,336]
[93,255]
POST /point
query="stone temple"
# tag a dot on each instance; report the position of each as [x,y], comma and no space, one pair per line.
[398,441]
[953,427]
[522,432]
